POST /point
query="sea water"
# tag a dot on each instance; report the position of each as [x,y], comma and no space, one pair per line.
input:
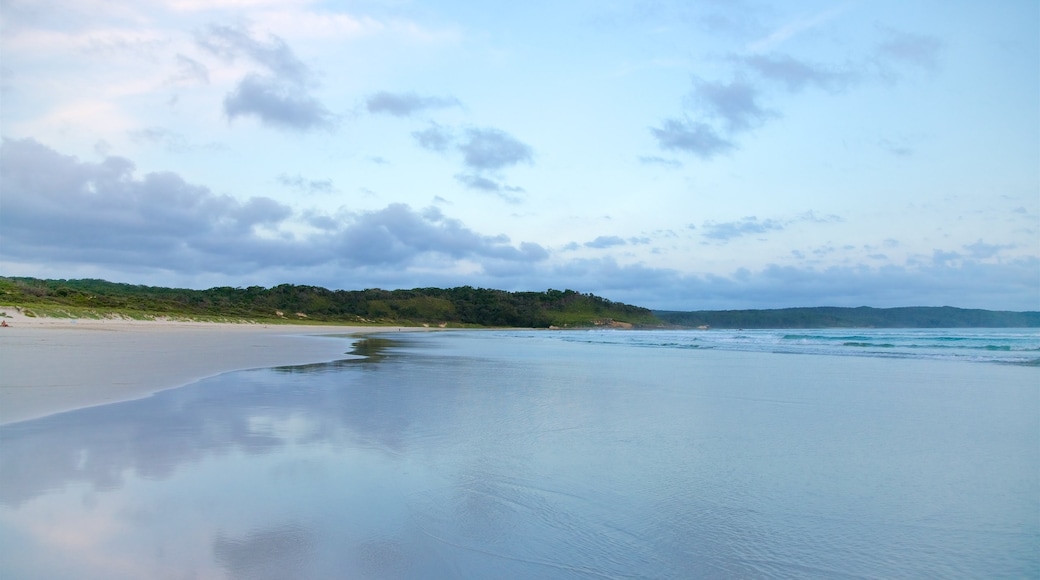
[536,454]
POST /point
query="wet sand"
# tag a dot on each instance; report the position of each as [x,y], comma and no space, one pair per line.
[51,365]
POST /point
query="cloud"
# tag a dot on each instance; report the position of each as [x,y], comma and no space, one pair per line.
[735,103]
[231,42]
[917,50]
[483,149]
[691,137]
[795,74]
[982,250]
[398,235]
[485,152]
[491,149]
[726,109]
[751,225]
[302,185]
[434,138]
[276,104]
[481,183]
[606,242]
[62,211]
[405,104]
[279,97]
[654,160]
[811,216]
[102,213]
[719,111]
[899,149]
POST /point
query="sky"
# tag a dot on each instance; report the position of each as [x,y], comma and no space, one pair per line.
[687,155]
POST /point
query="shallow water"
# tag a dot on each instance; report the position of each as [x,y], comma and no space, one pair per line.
[536,454]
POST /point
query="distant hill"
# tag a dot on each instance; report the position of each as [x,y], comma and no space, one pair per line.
[463,306]
[862,317]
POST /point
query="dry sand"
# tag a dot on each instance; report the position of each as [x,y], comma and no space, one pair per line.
[49,365]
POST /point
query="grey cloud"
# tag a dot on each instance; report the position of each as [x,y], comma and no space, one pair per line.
[750,225]
[811,216]
[895,148]
[606,242]
[59,210]
[321,221]
[275,55]
[61,214]
[942,257]
[277,104]
[434,138]
[735,103]
[722,110]
[907,48]
[399,235]
[982,250]
[484,151]
[692,137]
[278,98]
[478,182]
[102,148]
[299,183]
[491,149]
[405,104]
[481,183]
[795,74]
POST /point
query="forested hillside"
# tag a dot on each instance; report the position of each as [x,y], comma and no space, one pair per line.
[453,306]
[862,317]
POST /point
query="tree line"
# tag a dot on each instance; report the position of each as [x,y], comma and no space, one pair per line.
[861,317]
[464,305]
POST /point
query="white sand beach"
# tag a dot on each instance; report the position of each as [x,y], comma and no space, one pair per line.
[49,365]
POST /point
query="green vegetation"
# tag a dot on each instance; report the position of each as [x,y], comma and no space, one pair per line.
[459,307]
[862,317]
[453,307]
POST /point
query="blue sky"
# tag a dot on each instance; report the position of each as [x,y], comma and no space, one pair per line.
[676,155]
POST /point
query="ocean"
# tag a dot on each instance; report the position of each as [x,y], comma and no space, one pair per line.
[542,454]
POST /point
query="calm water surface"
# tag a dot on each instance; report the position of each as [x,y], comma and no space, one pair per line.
[549,455]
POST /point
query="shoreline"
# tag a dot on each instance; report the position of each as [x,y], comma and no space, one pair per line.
[52,365]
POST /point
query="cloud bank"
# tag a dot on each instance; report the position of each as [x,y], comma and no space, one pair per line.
[58,209]
[102,219]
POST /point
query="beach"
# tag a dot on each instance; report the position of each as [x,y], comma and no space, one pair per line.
[514,453]
[49,365]
[523,454]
